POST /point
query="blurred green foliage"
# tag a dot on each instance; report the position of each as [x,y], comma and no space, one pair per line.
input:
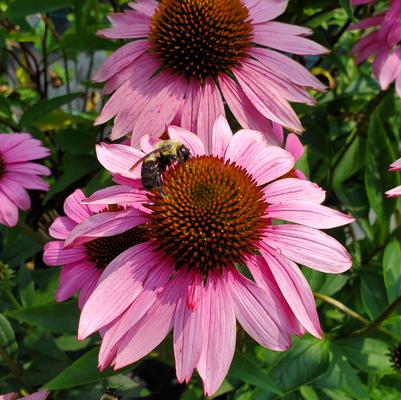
[48,53]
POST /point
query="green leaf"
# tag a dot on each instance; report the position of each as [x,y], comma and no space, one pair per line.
[20,250]
[302,364]
[391,270]
[373,293]
[76,141]
[7,336]
[346,5]
[44,107]
[367,354]
[246,370]
[22,8]
[81,372]
[26,286]
[56,317]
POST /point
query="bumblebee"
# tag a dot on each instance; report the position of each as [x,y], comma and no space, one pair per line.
[110,394]
[156,162]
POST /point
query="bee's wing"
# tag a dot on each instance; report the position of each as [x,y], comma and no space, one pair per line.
[142,159]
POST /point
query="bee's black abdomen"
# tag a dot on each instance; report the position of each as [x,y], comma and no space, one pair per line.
[150,175]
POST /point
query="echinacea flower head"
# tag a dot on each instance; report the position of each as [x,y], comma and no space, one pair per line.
[396,192]
[82,265]
[189,57]
[383,45]
[18,173]
[41,395]
[215,215]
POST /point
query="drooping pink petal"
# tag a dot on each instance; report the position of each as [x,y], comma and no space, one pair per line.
[396,165]
[295,289]
[41,395]
[294,146]
[153,285]
[243,109]
[127,25]
[31,167]
[390,70]
[56,254]
[73,277]
[210,107]
[221,137]
[154,326]
[189,115]
[287,68]
[28,181]
[27,150]
[61,227]
[146,7]
[308,214]
[265,10]
[119,285]
[188,328]
[120,59]
[105,225]
[256,313]
[290,189]
[8,211]
[308,246]
[218,334]
[16,193]
[264,98]
[396,192]
[157,102]
[268,35]
[189,139]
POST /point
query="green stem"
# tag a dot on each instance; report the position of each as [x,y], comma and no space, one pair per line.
[342,307]
[12,366]
[36,236]
[375,324]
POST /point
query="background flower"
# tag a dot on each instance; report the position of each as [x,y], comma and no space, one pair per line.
[18,173]
[189,56]
[396,192]
[212,212]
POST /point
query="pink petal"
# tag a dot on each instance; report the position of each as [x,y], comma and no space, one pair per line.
[61,227]
[243,109]
[294,146]
[119,285]
[189,139]
[73,277]
[257,314]
[189,116]
[290,189]
[272,162]
[308,246]
[120,59]
[221,137]
[56,254]
[264,99]
[396,192]
[74,208]
[188,328]
[33,168]
[267,35]
[295,289]
[146,7]
[8,211]
[265,10]
[390,69]
[396,165]
[119,159]
[28,181]
[210,107]
[16,193]
[287,68]
[11,140]
[154,326]
[27,150]
[308,214]
[127,25]
[218,334]
[41,395]
[88,288]
[157,102]
[398,85]
[106,224]
[153,285]
[376,20]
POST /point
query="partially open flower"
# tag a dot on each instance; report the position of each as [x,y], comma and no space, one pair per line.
[215,214]
[18,173]
[383,44]
[188,56]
